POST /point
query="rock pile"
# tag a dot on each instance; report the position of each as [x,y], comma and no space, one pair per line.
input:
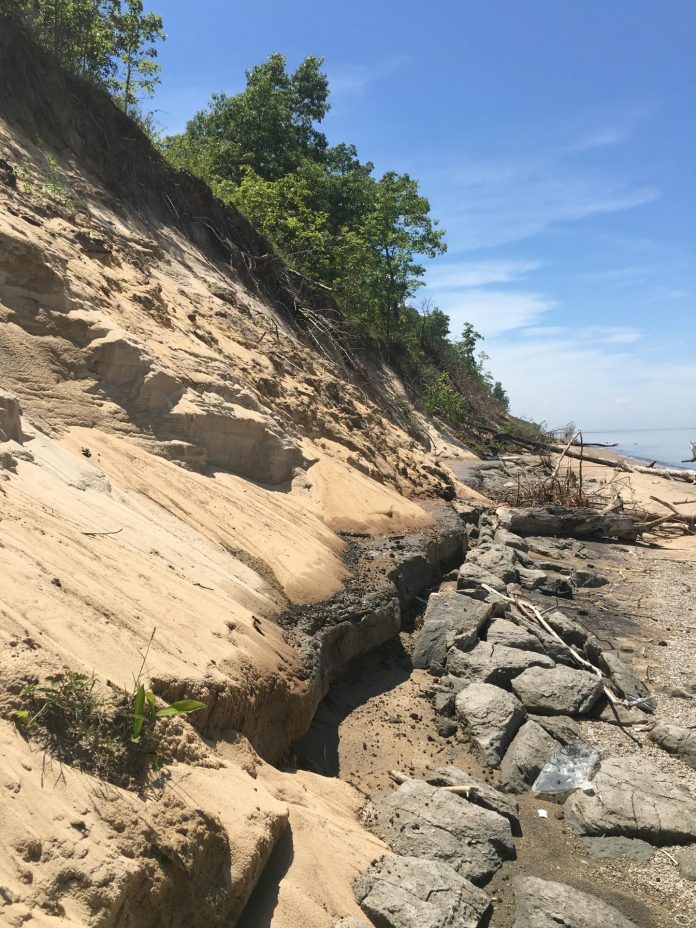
[513,682]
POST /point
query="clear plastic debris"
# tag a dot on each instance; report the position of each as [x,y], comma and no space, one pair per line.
[542,813]
[569,767]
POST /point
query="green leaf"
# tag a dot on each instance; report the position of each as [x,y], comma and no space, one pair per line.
[181,707]
[21,717]
[138,717]
[150,696]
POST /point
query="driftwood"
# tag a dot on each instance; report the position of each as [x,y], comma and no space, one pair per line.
[672,473]
[569,522]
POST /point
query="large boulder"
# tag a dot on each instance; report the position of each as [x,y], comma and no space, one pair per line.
[543,904]
[419,820]
[451,620]
[510,540]
[471,579]
[481,794]
[496,559]
[564,729]
[623,678]
[529,751]
[491,717]
[676,740]
[493,663]
[571,632]
[410,892]
[633,797]
[557,691]
[505,632]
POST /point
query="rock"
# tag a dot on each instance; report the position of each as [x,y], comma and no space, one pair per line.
[686,861]
[532,579]
[634,798]
[451,620]
[529,751]
[564,729]
[543,904]
[502,631]
[676,740]
[623,678]
[471,577]
[605,848]
[510,540]
[494,663]
[446,727]
[557,691]
[410,892]
[497,560]
[561,589]
[491,717]
[351,922]
[481,794]
[443,703]
[10,417]
[568,522]
[589,580]
[419,819]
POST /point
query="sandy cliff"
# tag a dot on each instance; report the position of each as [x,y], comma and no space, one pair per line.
[180,446]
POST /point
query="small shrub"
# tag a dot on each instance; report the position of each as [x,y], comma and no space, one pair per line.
[76,722]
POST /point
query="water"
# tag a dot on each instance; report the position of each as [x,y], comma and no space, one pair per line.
[666,446]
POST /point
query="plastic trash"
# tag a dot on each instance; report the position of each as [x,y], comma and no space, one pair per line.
[569,767]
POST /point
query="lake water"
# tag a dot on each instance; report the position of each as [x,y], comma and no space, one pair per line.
[666,446]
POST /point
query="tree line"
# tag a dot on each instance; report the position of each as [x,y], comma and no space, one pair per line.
[110,42]
[337,223]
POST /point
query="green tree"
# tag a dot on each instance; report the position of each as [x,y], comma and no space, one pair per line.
[136,33]
[269,127]
[397,228]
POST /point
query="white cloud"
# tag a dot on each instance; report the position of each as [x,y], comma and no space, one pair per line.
[495,311]
[478,273]
[599,384]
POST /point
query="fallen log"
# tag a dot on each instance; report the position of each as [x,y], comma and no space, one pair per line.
[569,522]
[671,473]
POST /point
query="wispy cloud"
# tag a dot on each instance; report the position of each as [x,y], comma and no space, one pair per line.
[350,79]
[454,276]
[496,311]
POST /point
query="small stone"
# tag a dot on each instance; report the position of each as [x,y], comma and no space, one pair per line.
[686,861]
[605,848]
[481,794]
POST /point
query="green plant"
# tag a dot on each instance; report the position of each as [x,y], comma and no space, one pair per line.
[145,710]
[77,722]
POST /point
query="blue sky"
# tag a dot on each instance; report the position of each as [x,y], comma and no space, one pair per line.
[556,141]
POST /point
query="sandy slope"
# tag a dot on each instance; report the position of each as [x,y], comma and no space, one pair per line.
[179,461]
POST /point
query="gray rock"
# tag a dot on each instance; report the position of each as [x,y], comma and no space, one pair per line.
[557,691]
[351,922]
[543,904]
[625,681]
[491,717]
[471,577]
[497,560]
[554,568]
[502,631]
[494,663]
[510,540]
[532,579]
[445,727]
[421,820]
[588,579]
[686,861]
[481,794]
[410,892]
[564,729]
[529,751]
[556,650]
[443,703]
[676,740]
[451,620]
[634,798]
[605,848]
[571,632]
